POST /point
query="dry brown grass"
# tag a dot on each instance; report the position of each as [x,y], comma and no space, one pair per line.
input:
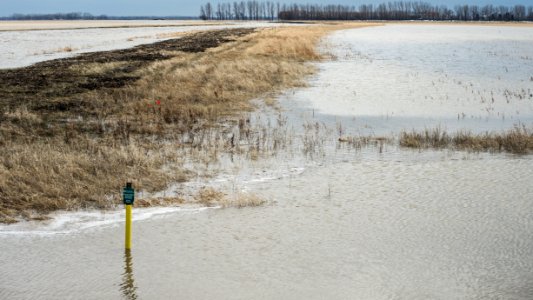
[518,140]
[52,175]
[212,197]
[79,150]
[241,200]
[209,85]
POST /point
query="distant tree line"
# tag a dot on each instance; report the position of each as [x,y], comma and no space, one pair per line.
[249,10]
[399,10]
[85,16]
[57,16]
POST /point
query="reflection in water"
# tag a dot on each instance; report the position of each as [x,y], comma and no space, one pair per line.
[127,287]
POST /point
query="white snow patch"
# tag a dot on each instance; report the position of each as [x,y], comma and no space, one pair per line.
[72,222]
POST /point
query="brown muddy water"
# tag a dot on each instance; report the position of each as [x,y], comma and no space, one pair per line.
[403,225]
[375,222]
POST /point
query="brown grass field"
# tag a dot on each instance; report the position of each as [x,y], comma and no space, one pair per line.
[73,130]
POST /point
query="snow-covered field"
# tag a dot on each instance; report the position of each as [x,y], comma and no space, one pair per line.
[19,48]
[78,24]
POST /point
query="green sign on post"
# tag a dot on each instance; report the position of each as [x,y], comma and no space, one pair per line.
[128,194]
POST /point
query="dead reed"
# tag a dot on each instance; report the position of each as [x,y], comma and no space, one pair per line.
[212,197]
[241,200]
[518,140]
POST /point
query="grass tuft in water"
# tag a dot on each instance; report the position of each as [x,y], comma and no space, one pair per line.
[518,140]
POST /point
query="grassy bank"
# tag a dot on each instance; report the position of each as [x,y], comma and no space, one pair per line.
[72,131]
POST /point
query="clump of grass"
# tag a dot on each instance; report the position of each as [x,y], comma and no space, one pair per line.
[211,197]
[271,102]
[241,200]
[429,138]
[518,140]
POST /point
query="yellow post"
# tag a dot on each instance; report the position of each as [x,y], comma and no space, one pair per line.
[128,227]
[128,195]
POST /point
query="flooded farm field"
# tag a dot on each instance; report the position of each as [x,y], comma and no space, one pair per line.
[20,48]
[401,77]
[342,221]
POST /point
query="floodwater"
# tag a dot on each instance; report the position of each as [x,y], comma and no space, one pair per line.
[403,77]
[369,223]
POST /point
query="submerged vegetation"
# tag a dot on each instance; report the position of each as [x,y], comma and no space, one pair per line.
[73,130]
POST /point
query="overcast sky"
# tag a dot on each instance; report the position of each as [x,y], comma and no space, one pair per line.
[174,7]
